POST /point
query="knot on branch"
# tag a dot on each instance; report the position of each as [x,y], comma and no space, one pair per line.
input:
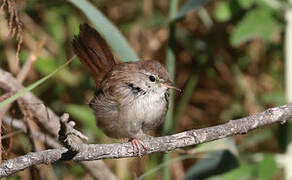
[70,137]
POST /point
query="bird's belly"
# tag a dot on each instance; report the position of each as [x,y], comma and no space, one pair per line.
[149,111]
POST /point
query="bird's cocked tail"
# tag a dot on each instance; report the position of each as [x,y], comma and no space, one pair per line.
[93,51]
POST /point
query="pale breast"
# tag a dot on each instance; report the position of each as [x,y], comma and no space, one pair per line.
[149,110]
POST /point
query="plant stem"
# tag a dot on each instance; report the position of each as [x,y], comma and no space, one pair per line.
[170,63]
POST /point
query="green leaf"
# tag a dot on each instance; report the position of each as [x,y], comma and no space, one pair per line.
[267,167]
[189,6]
[223,12]
[34,85]
[258,23]
[111,34]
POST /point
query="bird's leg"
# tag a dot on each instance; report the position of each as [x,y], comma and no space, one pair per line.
[136,143]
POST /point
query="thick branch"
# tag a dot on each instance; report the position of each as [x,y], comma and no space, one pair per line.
[160,144]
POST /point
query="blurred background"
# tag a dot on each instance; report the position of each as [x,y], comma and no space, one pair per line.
[227,55]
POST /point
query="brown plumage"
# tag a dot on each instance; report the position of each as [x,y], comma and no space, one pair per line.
[132,97]
[93,52]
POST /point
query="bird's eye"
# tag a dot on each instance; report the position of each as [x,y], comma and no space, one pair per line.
[152,78]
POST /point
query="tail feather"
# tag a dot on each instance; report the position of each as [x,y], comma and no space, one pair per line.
[93,51]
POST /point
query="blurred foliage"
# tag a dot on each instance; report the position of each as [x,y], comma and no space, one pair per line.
[264,169]
[226,55]
[216,162]
[188,6]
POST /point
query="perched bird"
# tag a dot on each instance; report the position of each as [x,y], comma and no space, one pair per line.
[131,97]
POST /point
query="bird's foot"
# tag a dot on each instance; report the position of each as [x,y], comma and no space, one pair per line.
[137,143]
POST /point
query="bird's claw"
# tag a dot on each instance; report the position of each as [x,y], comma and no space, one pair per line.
[136,143]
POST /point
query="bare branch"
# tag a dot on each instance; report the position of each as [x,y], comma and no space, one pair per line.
[70,137]
[97,169]
[30,60]
[18,124]
[159,144]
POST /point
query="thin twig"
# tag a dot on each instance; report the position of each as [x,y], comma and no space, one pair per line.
[11,134]
[30,61]
[19,124]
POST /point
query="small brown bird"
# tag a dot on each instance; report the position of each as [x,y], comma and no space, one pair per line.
[131,97]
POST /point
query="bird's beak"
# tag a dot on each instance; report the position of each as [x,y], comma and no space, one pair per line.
[170,85]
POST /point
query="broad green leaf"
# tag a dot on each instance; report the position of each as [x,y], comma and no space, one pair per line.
[34,85]
[189,6]
[223,12]
[111,34]
[258,23]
